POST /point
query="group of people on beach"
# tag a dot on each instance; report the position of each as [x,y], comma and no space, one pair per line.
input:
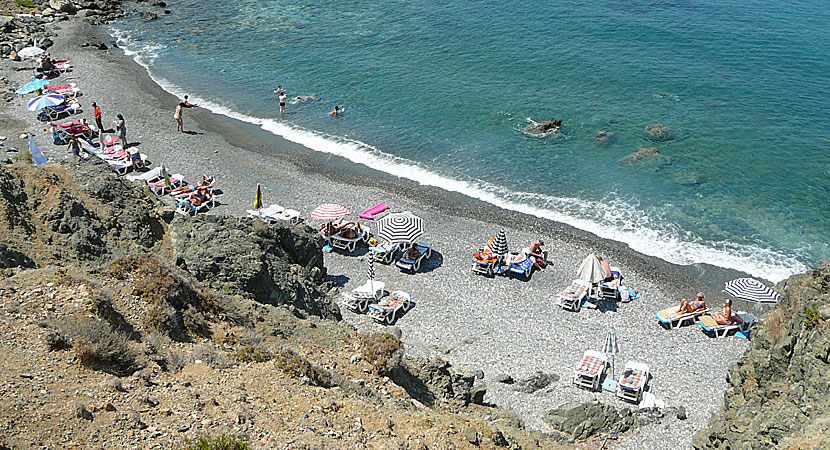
[283,97]
[722,317]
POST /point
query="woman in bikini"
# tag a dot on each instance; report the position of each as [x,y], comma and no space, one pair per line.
[686,307]
[205,184]
[724,317]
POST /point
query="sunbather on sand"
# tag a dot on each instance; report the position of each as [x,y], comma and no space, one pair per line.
[688,308]
[199,198]
[413,253]
[540,257]
[206,183]
[724,317]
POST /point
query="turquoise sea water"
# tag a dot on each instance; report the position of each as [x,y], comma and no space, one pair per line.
[439,92]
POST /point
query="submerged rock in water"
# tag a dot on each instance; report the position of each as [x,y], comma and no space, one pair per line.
[544,126]
[604,138]
[641,155]
[659,132]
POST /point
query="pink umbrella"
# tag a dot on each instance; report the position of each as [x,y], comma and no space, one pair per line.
[329,211]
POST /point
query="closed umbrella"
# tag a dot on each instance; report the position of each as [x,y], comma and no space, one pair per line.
[752,290]
[258,197]
[165,175]
[42,101]
[591,270]
[499,245]
[329,211]
[400,228]
[370,273]
[32,86]
[612,349]
[30,52]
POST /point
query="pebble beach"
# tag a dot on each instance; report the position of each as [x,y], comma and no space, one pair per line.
[501,325]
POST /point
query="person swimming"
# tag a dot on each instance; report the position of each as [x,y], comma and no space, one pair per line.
[337,110]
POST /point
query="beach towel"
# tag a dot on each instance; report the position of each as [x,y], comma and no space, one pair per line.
[591,366]
[632,379]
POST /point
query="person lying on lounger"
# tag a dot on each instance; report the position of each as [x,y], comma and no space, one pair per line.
[206,183]
[348,229]
[199,198]
[687,308]
[413,253]
[724,317]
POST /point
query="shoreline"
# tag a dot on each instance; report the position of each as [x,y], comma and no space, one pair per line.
[505,331]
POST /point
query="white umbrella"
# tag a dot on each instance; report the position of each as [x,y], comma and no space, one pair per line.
[30,52]
[591,270]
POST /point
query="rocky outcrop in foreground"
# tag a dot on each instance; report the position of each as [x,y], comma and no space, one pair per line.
[779,392]
[278,265]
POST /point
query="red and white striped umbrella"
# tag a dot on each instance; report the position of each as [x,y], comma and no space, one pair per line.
[329,211]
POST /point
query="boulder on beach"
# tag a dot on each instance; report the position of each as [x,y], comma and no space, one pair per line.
[63,6]
[659,132]
[583,420]
[544,126]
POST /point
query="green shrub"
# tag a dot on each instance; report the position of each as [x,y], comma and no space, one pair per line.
[252,353]
[811,317]
[26,4]
[223,442]
[294,365]
[382,350]
[24,157]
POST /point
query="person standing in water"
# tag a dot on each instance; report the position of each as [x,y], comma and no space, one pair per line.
[183,103]
[283,98]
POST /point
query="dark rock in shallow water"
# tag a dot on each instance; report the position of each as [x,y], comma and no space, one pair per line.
[659,132]
[539,380]
[544,126]
[279,265]
[604,138]
[641,155]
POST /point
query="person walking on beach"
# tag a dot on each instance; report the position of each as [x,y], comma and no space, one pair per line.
[75,146]
[183,103]
[96,113]
[121,128]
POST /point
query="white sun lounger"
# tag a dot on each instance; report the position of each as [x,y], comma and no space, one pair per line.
[743,321]
[390,308]
[160,188]
[590,370]
[633,382]
[349,244]
[269,211]
[125,165]
[358,299]
[670,317]
[572,297]
[150,175]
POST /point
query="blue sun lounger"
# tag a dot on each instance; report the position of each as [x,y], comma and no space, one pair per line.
[742,322]
[413,264]
[521,264]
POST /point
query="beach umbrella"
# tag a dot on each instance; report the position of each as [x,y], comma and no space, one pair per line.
[30,52]
[32,86]
[165,175]
[329,211]
[37,156]
[612,349]
[370,272]
[42,101]
[258,197]
[399,228]
[591,270]
[499,245]
[752,290]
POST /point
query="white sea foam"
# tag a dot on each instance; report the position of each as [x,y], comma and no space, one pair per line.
[610,218]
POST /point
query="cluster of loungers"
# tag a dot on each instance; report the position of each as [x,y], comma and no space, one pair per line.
[591,369]
[740,322]
[275,213]
[580,291]
[408,257]
[380,305]
[489,264]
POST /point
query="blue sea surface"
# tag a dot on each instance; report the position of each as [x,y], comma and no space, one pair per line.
[439,92]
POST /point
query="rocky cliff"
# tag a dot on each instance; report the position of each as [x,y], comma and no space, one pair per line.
[779,392]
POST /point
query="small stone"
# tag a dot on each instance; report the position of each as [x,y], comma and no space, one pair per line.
[27,376]
[681,413]
[471,434]
[183,428]
[49,307]
[80,411]
[505,379]
[113,384]
[396,331]
[108,407]
[477,394]
[824,313]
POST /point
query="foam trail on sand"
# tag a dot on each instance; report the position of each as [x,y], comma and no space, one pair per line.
[609,218]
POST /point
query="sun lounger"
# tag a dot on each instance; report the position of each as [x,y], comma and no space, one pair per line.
[669,316]
[349,244]
[369,214]
[64,131]
[385,252]
[486,263]
[633,382]
[408,264]
[588,373]
[160,187]
[186,208]
[358,299]
[520,263]
[742,322]
[291,216]
[572,297]
[273,210]
[390,308]
[55,112]
[124,166]
[94,149]
[609,290]
[150,175]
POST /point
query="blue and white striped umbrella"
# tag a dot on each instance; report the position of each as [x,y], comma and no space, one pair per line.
[752,290]
[400,228]
[42,101]
[31,86]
